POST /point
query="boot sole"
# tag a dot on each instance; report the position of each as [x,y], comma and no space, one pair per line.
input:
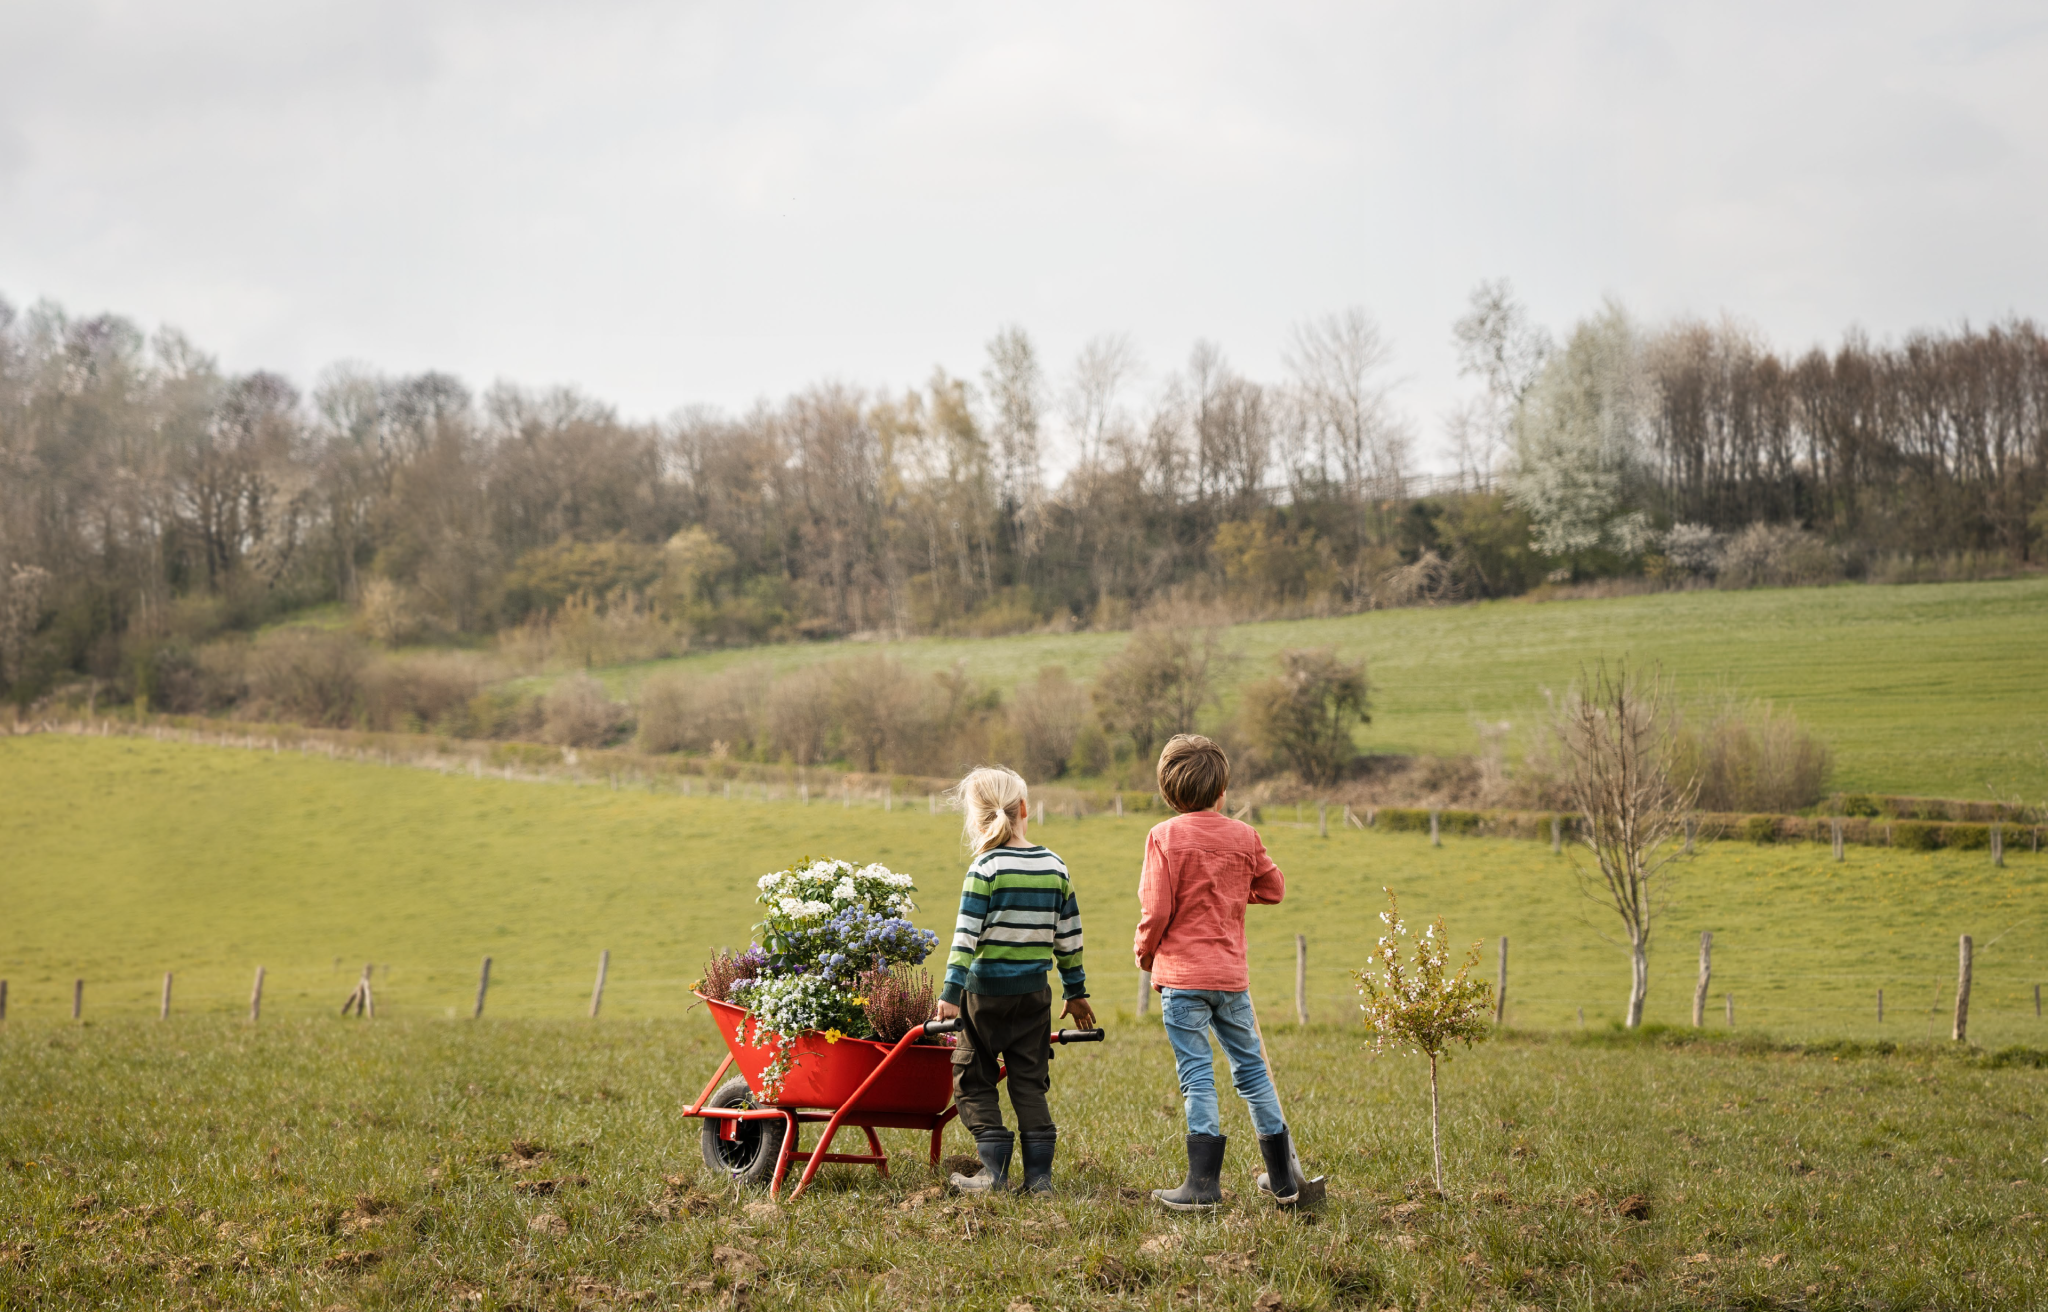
[1187,1207]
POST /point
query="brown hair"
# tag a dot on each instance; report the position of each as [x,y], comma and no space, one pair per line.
[1193,772]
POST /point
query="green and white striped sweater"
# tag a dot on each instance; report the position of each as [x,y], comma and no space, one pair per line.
[1018,919]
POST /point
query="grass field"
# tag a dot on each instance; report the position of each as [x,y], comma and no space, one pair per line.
[1935,690]
[308,1162]
[314,1165]
[126,858]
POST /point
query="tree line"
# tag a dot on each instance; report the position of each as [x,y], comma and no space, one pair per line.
[151,502]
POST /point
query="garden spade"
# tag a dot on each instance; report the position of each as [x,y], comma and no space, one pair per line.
[1312,1191]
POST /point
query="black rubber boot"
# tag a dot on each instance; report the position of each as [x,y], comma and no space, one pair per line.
[994,1152]
[1038,1146]
[1201,1190]
[1278,1154]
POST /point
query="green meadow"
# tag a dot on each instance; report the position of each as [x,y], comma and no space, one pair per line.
[1810,1158]
[127,858]
[1932,690]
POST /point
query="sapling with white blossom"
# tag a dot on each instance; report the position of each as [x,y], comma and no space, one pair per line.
[1421,1007]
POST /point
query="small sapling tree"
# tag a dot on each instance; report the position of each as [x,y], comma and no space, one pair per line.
[1421,1007]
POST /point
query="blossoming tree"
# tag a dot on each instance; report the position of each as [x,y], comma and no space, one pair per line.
[1420,1006]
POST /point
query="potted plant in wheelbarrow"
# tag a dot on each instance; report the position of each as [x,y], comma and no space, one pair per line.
[828,1021]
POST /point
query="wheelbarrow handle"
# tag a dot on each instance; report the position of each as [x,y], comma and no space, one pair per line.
[950,1025]
[1079,1036]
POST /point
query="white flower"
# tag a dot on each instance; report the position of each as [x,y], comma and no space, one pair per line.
[791,907]
[845,891]
[808,910]
[766,882]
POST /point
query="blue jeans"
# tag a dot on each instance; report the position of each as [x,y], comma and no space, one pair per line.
[1190,1015]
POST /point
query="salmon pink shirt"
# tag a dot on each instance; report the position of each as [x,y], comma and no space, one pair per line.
[1201,870]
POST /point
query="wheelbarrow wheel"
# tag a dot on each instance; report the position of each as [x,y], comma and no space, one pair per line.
[749,1156]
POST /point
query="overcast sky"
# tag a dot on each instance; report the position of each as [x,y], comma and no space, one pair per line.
[666,205]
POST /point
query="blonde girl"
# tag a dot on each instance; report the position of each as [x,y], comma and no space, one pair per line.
[1018,919]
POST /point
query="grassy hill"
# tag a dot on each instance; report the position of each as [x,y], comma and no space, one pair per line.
[1937,690]
[126,858]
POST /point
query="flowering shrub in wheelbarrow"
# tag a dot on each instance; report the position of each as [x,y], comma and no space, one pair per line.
[830,960]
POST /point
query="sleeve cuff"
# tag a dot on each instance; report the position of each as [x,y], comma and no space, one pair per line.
[1078,989]
[950,993]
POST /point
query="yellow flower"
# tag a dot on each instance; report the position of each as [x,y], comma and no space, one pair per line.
[860,1002]
[833,1036]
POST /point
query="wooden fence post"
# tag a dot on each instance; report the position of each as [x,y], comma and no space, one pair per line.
[1301,979]
[1962,1025]
[77,999]
[1998,845]
[1692,828]
[1322,819]
[3,1000]
[483,986]
[1500,992]
[1556,834]
[1836,823]
[604,961]
[1119,802]
[803,793]
[1730,999]
[1582,1018]
[1144,992]
[1699,993]
[931,803]
[163,1008]
[889,796]
[1435,838]
[256,996]
[1880,1006]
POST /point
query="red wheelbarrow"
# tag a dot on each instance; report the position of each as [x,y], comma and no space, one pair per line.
[904,1085]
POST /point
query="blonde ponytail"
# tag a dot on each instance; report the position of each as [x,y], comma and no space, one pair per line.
[992,799]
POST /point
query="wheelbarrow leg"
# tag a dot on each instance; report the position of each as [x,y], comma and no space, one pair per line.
[782,1158]
[875,1147]
[852,1102]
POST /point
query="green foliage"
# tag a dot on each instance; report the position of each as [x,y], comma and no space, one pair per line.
[1915,836]
[1861,804]
[1304,715]
[1966,838]
[545,577]
[1421,1005]
[1760,828]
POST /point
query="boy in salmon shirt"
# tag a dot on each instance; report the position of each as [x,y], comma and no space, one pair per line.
[1201,870]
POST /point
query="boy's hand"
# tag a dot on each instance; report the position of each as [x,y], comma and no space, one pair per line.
[948,1010]
[1082,1014]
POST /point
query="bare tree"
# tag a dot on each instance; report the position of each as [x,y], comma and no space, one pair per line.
[1497,344]
[1615,732]
[1048,714]
[1091,402]
[1347,419]
[1016,393]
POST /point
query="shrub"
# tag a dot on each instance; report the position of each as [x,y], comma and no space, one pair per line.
[899,997]
[1966,838]
[308,675]
[1048,714]
[1304,715]
[1775,555]
[426,690]
[386,611]
[576,713]
[799,716]
[726,969]
[1749,756]
[1916,836]
[686,713]
[1861,804]
[1760,828]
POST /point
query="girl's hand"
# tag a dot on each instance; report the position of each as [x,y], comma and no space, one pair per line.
[948,1010]
[1083,1014]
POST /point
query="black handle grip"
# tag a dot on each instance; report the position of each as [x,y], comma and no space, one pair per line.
[951,1025]
[1079,1036]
